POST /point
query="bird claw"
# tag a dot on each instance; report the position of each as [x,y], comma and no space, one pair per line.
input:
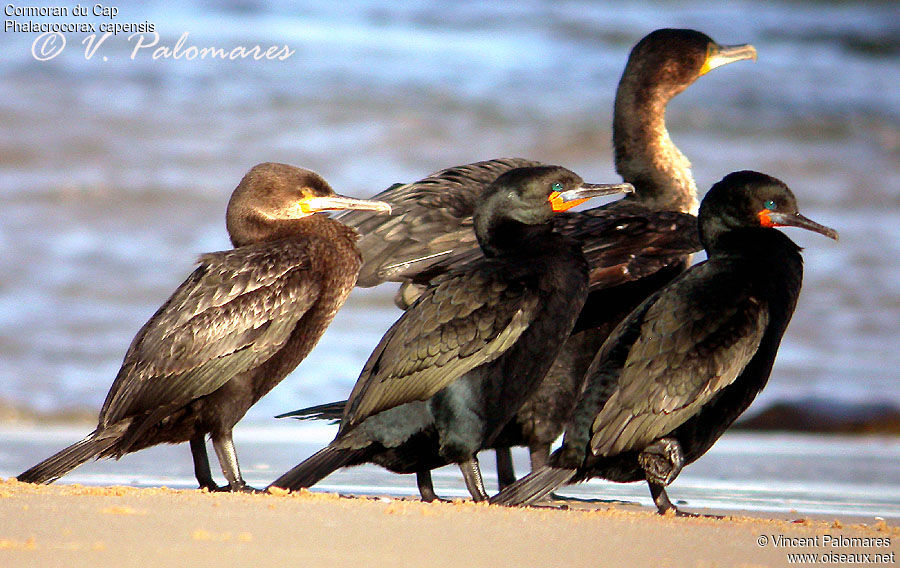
[687,514]
[240,488]
[550,503]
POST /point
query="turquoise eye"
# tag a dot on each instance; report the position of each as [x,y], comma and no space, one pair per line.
[557,187]
[770,205]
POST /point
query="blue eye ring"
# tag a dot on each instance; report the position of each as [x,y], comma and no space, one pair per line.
[557,187]
[770,205]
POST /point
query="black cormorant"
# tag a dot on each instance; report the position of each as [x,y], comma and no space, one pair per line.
[456,366]
[680,368]
[233,330]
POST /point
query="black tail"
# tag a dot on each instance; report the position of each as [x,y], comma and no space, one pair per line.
[317,466]
[331,411]
[68,459]
[533,486]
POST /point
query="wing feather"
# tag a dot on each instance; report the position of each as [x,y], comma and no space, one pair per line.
[234,311]
[444,335]
[691,345]
[430,218]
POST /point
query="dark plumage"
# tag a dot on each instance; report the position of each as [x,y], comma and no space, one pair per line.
[633,246]
[691,358]
[233,330]
[461,360]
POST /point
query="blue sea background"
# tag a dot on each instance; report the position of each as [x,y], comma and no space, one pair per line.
[115,170]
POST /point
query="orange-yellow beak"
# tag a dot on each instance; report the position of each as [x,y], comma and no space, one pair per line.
[565,200]
[719,55]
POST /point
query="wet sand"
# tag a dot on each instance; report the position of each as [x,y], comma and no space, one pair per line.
[75,525]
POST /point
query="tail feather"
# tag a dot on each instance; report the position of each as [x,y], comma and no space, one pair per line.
[318,466]
[534,486]
[330,411]
[68,459]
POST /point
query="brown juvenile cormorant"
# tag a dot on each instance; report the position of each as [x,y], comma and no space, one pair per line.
[233,330]
[690,359]
[456,366]
[633,246]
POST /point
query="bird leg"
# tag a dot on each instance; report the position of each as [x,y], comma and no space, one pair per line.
[661,499]
[426,487]
[664,505]
[662,462]
[472,475]
[201,464]
[224,446]
[506,474]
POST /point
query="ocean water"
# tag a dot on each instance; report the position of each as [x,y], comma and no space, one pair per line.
[115,168]
[795,474]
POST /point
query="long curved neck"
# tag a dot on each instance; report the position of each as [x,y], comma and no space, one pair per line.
[645,155]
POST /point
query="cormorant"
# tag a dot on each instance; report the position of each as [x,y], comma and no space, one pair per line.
[678,370]
[633,246]
[233,330]
[463,358]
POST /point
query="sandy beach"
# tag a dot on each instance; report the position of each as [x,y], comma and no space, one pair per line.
[76,525]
